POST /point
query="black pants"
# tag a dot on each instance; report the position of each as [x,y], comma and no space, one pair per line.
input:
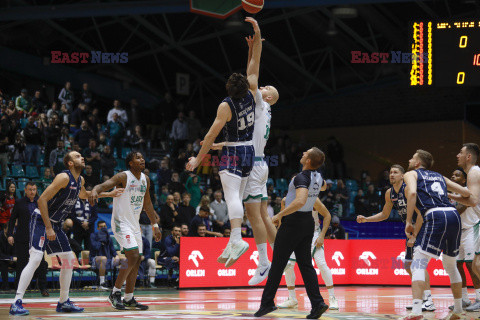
[294,235]
[82,236]
[21,250]
[4,264]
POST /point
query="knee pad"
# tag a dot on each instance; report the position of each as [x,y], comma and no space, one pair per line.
[450,265]
[35,258]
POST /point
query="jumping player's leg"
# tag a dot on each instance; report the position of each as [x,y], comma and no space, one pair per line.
[267,221]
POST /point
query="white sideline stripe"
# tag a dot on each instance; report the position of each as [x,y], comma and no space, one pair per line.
[251,4]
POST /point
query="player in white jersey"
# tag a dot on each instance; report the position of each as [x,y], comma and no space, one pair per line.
[467,159]
[470,234]
[318,254]
[126,226]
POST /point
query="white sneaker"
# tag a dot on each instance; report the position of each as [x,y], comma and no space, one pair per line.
[288,304]
[260,274]
[413,316]
[236,251]
[428,306]
[332,303]
[225,254]
[474,307]
[465,304]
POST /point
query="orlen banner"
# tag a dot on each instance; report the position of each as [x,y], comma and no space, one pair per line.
[351,262]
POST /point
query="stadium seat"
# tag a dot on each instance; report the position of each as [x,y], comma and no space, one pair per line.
[282,185]
[41,160]
[270,182]
[22,182]
[23,123]
[121,166]
[154,177]
[42,171]
[125,151]
[32,172]
[351,185]
[17,171]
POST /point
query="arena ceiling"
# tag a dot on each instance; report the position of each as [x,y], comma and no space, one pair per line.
[307,51]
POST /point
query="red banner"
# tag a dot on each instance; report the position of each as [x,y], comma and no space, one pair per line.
[376,262]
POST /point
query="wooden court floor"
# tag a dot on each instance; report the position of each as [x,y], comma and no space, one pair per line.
[361,303]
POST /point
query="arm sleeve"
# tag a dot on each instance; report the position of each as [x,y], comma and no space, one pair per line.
[301,180]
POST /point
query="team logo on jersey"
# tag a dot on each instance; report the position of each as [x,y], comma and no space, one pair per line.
[316,186]
[41,242]
[128,238]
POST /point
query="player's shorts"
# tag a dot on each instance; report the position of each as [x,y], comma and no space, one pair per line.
[256,188]
[128,237]
[38,236]
[441,231]
[237,160]
[466,251]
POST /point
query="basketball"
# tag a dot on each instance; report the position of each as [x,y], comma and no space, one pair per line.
[252,6]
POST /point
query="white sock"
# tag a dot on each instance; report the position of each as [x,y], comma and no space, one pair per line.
[417,306]
[477,294]
[427,295]
[262,254]
[115,289]
[236,235]
[465,294]
[331,292]
[291,294]
[152,279]
[102,279]
[128,296]
[65,280]
[27,274]
[457,306]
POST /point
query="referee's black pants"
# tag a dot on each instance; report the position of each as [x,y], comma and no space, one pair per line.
[294,235]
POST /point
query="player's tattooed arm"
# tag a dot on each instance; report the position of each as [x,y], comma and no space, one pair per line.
[467,196]
[119,180]
[152,215]
[60,182]
[383,215]
[84,194]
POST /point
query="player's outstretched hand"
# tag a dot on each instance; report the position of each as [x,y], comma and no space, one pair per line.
[117,192]
[50,234]
[158,234]
[250,41]
[192,164]
[361,219]
[254,23]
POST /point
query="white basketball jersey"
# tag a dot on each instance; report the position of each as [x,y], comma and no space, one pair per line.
[128,206]
[261,130]
[476,209]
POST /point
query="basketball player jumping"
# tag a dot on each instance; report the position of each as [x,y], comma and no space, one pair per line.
[46,232]
[126,226]
[395,198]
[255,195]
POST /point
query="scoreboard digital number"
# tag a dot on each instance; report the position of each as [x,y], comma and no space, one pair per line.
[445,53]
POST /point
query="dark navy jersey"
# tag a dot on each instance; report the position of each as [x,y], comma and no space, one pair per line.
[431,191]
[62,204]
[240,127]
[399,201]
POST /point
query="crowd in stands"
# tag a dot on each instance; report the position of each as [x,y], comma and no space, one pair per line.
[35,135]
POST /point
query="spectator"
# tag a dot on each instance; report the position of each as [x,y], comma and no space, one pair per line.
[201,230]
[7,257]
[185,211]
[366,182]
[193,187]
[77,117]
[185,230]
[335,230]
[20,223]
[204,202]
[215,182]
[338,207]
[147,263]
[66,96]
[168,214]
[153,194]
[220,210]
[278,205]
[361,204]
[103,254]
[56,158]
[384,185]
[117,109]
[94,121]
[67,228]
[7,203]
[91,180]
[180,160]
[335,154]
[115,131]
[179,133]
[203,219]
[373,199]
[164,173]
[209,194]
[226,232]
[93,157]
[20,146]
[175,185]
[46,179]
[86,95]
[172,247]
[194,127]
[54,110]
[40,120]
[164,195]
[107,162]
[176,199]
[4,141]
[84,216]
[134,113]
[33,140]
[342,192]
[102,142]
[22,103]
[138,142]
[12,112]
[83,136]
[37,103]
[51,133]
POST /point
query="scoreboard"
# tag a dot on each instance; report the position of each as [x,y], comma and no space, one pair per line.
[445,53]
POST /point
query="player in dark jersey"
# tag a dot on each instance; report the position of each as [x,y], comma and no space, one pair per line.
[440,232]
[46,233]
[236,117]
[395,199]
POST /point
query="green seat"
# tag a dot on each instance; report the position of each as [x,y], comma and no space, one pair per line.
[17,171]
[121,166]
[125,152]
[32,172]
[22,182]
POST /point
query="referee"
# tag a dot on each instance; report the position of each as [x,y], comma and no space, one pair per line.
[295,234]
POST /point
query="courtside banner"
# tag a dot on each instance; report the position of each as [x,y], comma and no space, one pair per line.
[377,262]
